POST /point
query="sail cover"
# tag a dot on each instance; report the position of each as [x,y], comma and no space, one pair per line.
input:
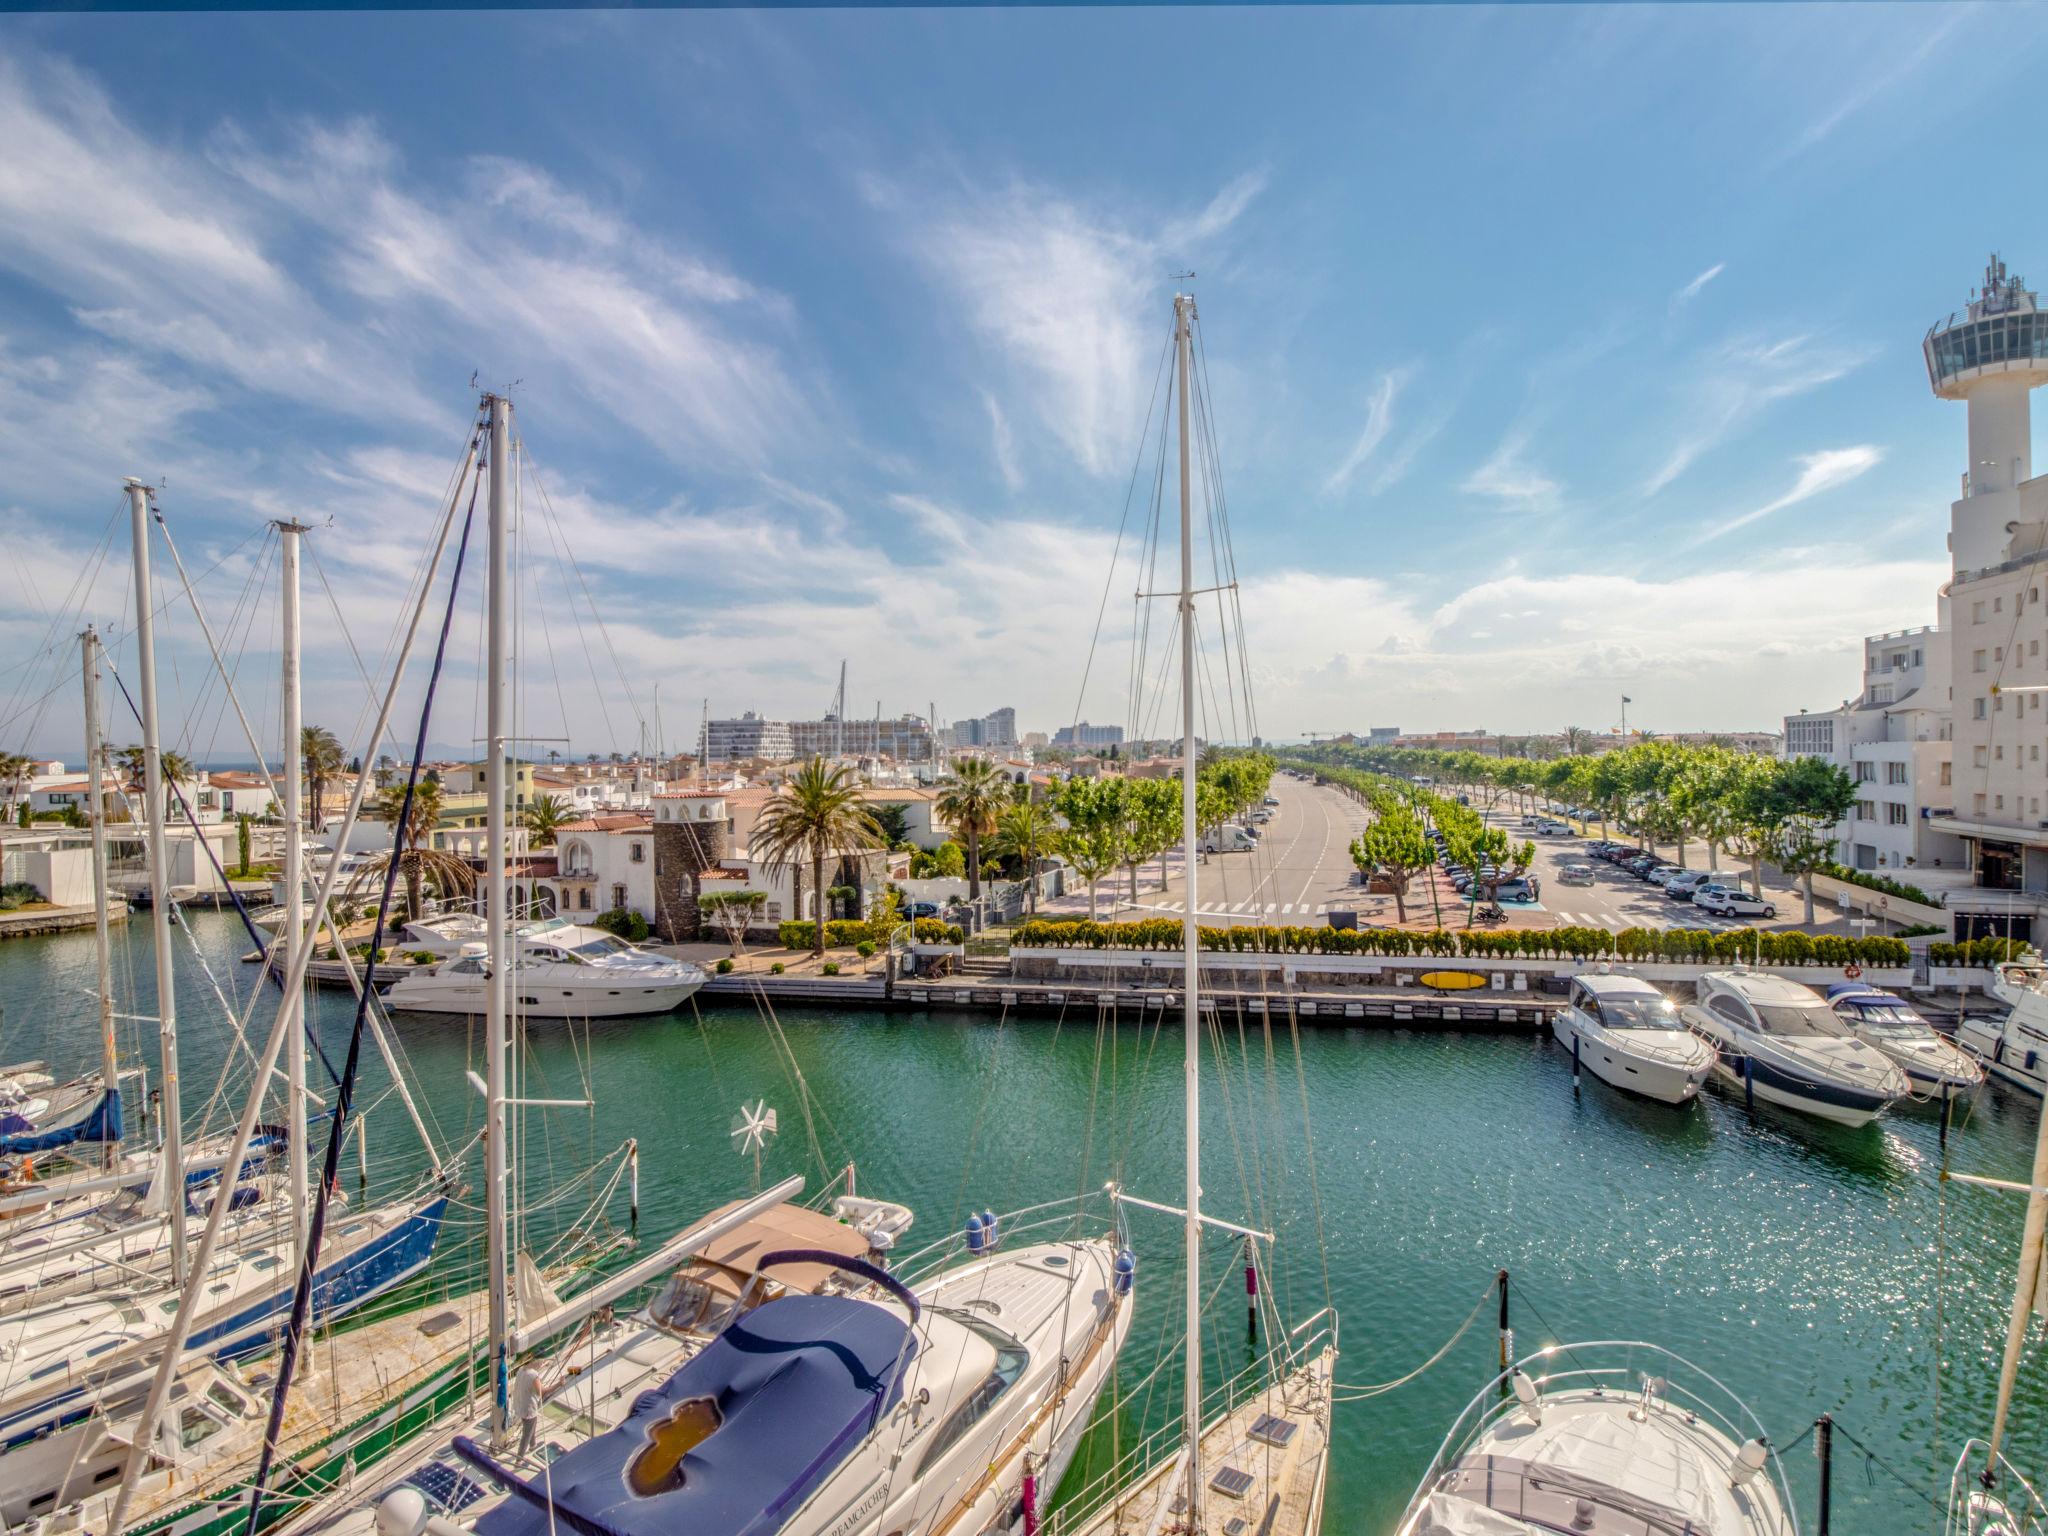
[734,1441]
[101,1121]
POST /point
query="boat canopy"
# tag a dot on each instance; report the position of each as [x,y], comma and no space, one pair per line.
[729,1263]
[100,1123]
[733,1442]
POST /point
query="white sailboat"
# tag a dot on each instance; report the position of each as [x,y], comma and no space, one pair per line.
[1255,1460]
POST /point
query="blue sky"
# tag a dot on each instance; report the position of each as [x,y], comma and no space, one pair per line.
[1557,353]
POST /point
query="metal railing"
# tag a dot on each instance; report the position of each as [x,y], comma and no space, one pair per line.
[1978,1498]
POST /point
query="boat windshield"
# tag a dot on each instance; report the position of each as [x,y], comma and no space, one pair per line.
[1638,1013]
[1795,1019]
[1893,1021]
[601,945]
[1011,1358]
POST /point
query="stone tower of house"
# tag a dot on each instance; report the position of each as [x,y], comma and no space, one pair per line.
[692,833]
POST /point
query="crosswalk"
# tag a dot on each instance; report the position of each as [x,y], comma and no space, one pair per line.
[1250,909]
[1615,924]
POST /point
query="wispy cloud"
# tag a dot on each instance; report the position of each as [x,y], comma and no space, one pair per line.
[1692,289]
[1065,292]
[1509,478]
[1737,380]
[1002,443]
[1818,473]
[1379,419]
[1882,79]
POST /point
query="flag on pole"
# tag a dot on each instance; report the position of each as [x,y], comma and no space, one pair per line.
[1626,699]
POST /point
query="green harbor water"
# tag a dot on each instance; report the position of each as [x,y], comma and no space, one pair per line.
[1807,1267]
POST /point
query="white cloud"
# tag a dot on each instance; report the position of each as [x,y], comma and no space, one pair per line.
[1818,473]
[1066,294]
[1379,418]
[1880,80]
[1692,289]
[1510,479]
[1736,381]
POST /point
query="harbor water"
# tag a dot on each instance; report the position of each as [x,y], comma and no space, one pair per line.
[1809,1268]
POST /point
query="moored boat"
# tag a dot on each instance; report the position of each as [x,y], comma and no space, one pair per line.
[1629,1035]
[1935,1067]
[1778,1043]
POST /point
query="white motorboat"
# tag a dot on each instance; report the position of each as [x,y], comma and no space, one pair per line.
[1781,1044]
[2014,1048]
[1629,1035]
[1936,1067]
[1607,1436]
[446,933]
[563,972]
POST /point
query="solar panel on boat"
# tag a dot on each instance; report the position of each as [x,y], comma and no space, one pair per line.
[1232,1481]
[1273,1430]
[447,1486]
[1234,1526]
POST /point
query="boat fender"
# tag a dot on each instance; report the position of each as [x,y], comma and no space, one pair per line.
[1527,1395]
[977,1238]
[1749,1461]
[1126,1271]
[991,1233]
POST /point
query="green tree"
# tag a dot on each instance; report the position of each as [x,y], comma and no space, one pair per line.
[175,767]
[242,844]
[545,816]
[1395,844]
[1024,832]
[323,758]
[420,864]
[816,814]
[14,772]
[734,911]
[1092,839]
[894,820]
[1813,797]
[971,799]
[1151,823]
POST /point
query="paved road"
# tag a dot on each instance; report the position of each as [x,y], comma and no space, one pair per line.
[1301,868]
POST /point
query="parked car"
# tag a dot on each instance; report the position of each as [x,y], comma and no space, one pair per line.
[1575,874]
[1734,904]
[919,909]
[1662,874]
[1686,884]
[1272,799]
[1518,888]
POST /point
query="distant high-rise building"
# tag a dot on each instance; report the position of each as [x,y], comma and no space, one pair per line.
[750,736]
[907,738]
[1086,735]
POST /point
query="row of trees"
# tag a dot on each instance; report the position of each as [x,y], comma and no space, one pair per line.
[1662,792]
[1109,823]
[1396,844]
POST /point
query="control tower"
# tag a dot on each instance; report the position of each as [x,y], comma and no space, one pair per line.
[1992,356]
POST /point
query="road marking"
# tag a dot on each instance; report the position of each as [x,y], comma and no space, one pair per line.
[1322,907]
[1288,908]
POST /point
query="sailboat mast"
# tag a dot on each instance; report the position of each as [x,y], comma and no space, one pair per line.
[498,914]
[171,1169]
[103,949]
[1183,316]
[2025,1289]
[288,532]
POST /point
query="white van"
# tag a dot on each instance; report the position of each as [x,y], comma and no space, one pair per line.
[1229,838]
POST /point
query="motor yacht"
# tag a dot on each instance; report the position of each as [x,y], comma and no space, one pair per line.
[1781,1044]
[1629,1035]
[2014,1048]
[563,971]
[1607,1436]
[1937,1068]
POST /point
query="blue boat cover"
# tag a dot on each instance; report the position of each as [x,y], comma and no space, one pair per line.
[101,1123]
[733,1442]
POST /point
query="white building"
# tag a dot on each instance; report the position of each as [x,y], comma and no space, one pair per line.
[1893,739]
[1992,357]
[603,863]
[744,739]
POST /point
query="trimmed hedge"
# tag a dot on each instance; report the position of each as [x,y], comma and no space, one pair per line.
[846,932]
[1870,882]
[1684,945]
[1989,950]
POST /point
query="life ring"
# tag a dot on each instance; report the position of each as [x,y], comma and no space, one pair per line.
[1852,971]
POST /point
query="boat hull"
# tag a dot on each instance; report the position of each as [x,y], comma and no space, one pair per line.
[1646,1076]
[1768,1083]
[622,1002]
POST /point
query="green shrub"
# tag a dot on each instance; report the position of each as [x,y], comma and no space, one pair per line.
[775,969]
[1686,945]
[840,933]
[421,957]
[830,968]
[725,967]
[865,949]
[1920,931]
[1989,950]
[624,922]
[1870,882]
[17,893]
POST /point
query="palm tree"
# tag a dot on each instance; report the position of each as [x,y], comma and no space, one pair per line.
[175,767]
[544,817]
[815,813]
[1576,740]
[971,799]
[323,759]
[417,864]
[1023,831]
[14,771]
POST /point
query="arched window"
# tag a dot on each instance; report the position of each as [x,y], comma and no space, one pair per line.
[583,899]
[576,858]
